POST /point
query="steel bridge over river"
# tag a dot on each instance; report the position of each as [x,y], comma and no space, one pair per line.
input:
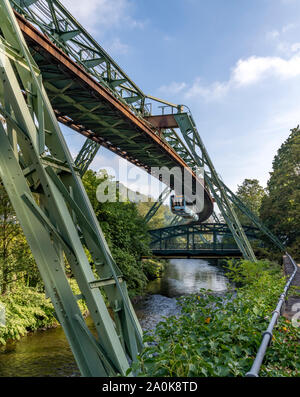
[51,71]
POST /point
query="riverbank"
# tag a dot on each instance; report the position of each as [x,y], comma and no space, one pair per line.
[28,310]
[220,337]
[47,353]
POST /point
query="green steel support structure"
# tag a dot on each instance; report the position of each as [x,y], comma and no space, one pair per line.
[64,31]
[56,216]
[256,221]
[213,229]
[176,220]
[195,152]
[197,239]
[53,19]
[215,217]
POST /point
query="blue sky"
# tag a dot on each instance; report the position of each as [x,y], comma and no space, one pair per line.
[235,63]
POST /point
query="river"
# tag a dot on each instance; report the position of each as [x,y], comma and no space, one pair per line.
[47,353]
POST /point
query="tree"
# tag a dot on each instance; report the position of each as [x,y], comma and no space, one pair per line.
[251,194]
[280,209]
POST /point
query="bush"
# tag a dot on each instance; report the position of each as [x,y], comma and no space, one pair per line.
[26,310]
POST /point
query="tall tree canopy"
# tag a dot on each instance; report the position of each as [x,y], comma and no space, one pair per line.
[280,209]
[251,194]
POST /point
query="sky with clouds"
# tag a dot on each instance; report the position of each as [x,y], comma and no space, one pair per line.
[235,63]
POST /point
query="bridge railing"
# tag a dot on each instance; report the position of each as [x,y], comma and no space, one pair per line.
[268,334]
[194,247]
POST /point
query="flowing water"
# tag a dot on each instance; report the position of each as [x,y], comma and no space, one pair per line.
[46,353]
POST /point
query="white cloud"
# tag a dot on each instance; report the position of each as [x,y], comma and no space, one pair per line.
[253,69]
[103,12]
[246,72]
[210,92]
[282,45]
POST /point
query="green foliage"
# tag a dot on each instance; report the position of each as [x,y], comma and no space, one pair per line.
[131,269]
[280,209]
[27,310]
[219,336]
[153,269]
[251,194]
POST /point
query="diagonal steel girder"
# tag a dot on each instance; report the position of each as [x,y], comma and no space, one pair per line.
[156,206]
[86,156]
[61,224]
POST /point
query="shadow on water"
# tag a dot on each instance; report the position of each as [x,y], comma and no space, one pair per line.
[47,353]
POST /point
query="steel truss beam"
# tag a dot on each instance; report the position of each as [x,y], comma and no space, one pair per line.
[52,18]
[156,206]
[60,224]
[86,156]
[215,217]
[192,239]
[216,229]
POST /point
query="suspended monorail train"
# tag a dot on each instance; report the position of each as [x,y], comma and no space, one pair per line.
[179,207]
